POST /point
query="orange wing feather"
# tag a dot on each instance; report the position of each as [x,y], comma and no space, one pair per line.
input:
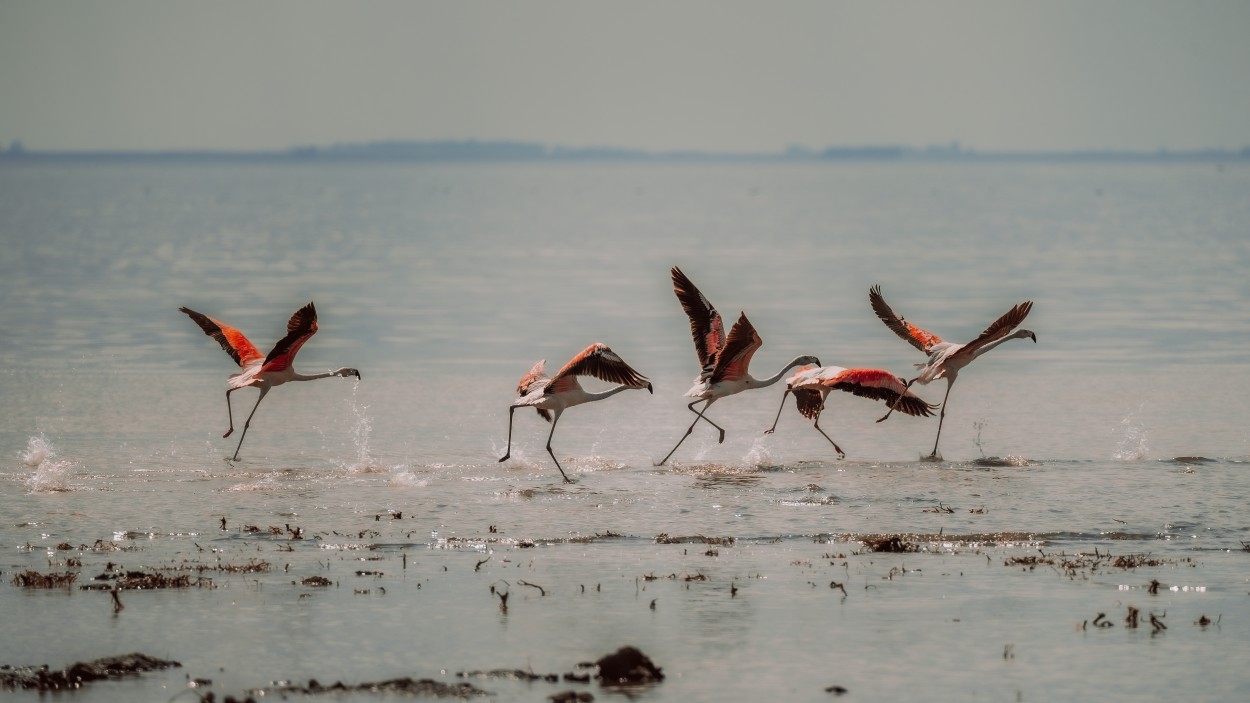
[880,385]
[735,357]
[301,326]
[599,361]
[706,326]
[231,340]
[918,338]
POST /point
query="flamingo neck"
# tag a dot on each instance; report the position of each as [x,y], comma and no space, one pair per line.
[765,382]
[1018,334]
[312,377]
[606,394]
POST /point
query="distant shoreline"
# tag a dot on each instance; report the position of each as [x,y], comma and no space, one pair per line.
[495,151]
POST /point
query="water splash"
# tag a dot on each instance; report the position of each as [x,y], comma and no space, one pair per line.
[363,427]
[50,473]
[758,455]
[1132,445]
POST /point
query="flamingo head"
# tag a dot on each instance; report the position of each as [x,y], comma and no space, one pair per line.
[345,372]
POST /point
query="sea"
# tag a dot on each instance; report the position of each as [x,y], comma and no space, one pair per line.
[1085,534]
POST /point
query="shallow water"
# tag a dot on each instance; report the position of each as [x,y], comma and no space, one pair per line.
[444,283]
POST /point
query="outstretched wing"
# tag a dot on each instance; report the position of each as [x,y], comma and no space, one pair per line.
[918,338]
[599,361]
[233,341]
[705,323]
[301,326]
[880,385]
[999,328]
[735,357]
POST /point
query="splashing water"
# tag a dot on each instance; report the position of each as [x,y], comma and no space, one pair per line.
[758,455]
[1132,441]
[51,474]
[364,463]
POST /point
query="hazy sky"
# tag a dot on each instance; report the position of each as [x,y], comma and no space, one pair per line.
[725,75]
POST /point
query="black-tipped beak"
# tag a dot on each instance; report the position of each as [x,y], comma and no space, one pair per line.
[649,389]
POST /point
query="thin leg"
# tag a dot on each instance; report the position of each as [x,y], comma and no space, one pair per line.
[941,417]
[816,424]
[248,423]
[691,429]
[554,420]
[775,419]
[900,397]
[508,453]
[229,413]
[704,418]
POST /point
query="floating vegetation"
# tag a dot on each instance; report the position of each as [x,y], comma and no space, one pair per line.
[34,579]
[44,678]
[316,581]
[143,581]
[889,543]
[413,687]
[1082,564]
[628,665]
[663,538]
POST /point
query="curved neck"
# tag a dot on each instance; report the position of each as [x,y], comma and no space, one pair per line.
[765,382]
[607,394]
[312,377]
[1019,334]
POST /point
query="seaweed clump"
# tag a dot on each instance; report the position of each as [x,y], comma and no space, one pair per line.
[628,665]
[44,679]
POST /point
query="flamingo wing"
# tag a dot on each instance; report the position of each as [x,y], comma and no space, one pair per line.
[809,401]
[233,341]
[705,323]
[301,326]
[599,361]
[880,385]
[999,328]
[735,357]
[918,338]
[536,375]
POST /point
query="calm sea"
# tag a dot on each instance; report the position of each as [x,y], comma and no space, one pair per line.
[1079,471]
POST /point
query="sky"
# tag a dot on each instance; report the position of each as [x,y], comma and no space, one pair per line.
[660,75]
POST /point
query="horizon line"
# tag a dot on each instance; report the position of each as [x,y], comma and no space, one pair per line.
[515,150]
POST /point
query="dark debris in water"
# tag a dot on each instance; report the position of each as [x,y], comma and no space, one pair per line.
[44,679]
[628,665]
[143,581]
[889,543]
[663,538]
[1082,564]
[34,579]
[414,687]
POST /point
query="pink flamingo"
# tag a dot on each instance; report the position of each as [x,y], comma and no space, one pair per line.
[724,359]
[946,359]
[550,396]
[263,372]
[811,385]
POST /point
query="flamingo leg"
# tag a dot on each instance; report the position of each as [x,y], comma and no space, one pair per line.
[691,429]
[941,417]
[508,453]
[248,423]
[551,434]
[229,413]
[894,403]
[816,424]
[779,409]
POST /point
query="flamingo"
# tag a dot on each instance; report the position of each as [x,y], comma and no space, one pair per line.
[550,396]
[811,385]
[724,359]
[263,372]
[946,359]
